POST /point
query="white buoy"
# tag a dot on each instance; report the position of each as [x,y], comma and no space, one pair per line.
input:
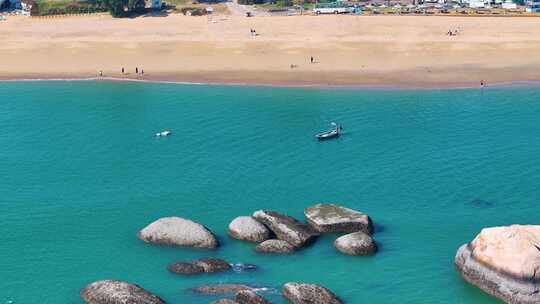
[163,133]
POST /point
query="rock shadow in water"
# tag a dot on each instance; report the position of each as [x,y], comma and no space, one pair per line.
[378,228]
[481,204]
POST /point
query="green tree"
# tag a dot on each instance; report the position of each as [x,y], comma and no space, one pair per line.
[35,9]
[284,3]
[122,8]
[135,5]
[116,7]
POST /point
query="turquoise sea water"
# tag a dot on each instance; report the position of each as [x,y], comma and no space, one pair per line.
[81,173]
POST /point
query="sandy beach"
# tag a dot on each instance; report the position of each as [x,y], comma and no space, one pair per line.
[408,51]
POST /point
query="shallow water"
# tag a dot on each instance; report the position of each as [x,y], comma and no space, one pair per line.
[82,173]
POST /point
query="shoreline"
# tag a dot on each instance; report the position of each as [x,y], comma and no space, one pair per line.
[384,87]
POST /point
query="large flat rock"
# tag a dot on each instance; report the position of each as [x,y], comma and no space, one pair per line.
[286,228]
[333,218]
[177,231]
[504,262]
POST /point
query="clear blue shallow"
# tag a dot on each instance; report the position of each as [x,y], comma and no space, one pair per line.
[81,173]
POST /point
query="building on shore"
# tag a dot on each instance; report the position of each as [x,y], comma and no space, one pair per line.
[509,5]
[532,6]
[157,4]
[478,3]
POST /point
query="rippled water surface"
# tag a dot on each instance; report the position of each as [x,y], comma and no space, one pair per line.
[81,173]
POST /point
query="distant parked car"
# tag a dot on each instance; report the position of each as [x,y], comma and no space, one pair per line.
[332,8]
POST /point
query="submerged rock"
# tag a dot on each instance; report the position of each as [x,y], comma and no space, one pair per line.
[200,266]
[299,293]
[275,246]
[240,267]
[479,203]
[115,292]
[334,218]
[286,228]
[213,265]
[246,228]
[185,268]
[504,262]
[356,243]
[250,297]
[176,231]
[221,289]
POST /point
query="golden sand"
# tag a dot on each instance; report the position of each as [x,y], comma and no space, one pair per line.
[348,50]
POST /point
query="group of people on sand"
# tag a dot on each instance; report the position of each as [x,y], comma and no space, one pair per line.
[253,32]
[452,33]
[136,71]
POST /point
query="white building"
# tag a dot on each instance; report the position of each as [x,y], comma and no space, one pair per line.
[532,6]
[509,5]
[478,3]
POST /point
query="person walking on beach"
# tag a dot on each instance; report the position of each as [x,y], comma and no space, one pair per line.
[311,59]
[142,72]
[137,70]
[100,73]
[122,70]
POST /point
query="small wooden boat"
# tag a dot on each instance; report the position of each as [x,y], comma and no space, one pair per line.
[331,133]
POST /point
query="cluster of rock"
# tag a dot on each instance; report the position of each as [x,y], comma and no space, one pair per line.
[291,234]
[504,262]
[116,292]
[296,293]
[272,231]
